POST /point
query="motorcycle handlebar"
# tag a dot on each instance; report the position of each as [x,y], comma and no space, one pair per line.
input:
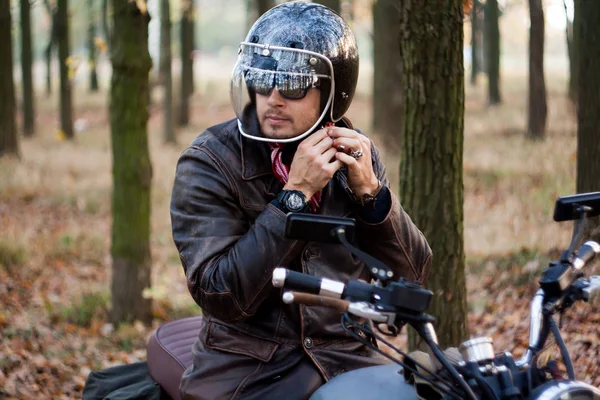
[585,254]
[283,277]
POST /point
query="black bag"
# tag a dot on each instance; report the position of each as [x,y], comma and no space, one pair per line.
[123,382]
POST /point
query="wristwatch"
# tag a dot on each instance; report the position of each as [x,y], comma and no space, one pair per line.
[367,198]
[292,201]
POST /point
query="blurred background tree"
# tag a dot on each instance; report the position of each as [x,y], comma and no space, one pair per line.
[536,128]
[26,72]
[166,76]
[91,44]
[491,34]
[387,72]
[335,5]
[9,142]
[476,16]
[64,61]
[187,42]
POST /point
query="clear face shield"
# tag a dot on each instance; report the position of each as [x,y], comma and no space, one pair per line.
[292,72]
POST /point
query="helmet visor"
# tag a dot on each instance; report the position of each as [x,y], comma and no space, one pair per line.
[292,72]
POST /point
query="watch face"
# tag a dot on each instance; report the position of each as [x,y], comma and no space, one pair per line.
[294,202]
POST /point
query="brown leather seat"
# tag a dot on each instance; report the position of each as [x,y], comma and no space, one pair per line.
[170,352]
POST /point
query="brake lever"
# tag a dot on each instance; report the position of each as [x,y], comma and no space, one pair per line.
[366,310]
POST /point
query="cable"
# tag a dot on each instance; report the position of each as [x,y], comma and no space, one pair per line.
[445,390]
[440,356]
[563,348]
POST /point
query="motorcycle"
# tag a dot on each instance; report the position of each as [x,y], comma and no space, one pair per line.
[473,371]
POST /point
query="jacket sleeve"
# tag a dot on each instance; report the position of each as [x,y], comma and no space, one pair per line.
[228,261]
[396,240]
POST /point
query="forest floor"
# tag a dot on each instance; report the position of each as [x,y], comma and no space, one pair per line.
[55,235]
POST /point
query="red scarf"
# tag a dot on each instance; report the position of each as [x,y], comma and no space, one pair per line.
[282,172]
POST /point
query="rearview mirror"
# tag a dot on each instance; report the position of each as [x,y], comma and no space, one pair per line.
[566,206]
[317,228]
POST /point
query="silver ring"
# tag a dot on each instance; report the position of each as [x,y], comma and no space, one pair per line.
[356,154]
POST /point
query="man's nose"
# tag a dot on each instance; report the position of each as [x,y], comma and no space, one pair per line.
[275,99]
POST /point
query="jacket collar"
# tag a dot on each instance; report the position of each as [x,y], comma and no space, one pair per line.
[256,158]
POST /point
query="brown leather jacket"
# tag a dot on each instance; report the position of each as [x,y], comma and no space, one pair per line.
[230,238]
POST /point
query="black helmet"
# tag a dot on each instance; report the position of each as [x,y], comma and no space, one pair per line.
[296,45]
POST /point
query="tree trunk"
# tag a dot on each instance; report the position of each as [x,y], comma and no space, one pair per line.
[166,71]
[92,47]
[588,118]
[387,72]
[537,87]
[335,5]
[48,52]
[26,64]
[431,180]
[575,52]
[187,60]
[9,143]
[132,171]
[492,50]
[62,32]
[475,33]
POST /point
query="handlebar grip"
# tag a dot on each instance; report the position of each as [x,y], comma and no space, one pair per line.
[314,300]
[585,254]
[283,277]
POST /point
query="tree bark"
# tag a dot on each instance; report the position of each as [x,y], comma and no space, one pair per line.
[335,5]
[26,70]
[166,71]
[575,52]
[431,180]
[187,25]
[492,50]
[92,47]
[536,128]
[62,32]
[588,118]
[132,170]
[387,72]
[9,143]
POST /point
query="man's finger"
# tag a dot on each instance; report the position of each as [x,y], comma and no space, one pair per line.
[334,166]
[324,145]
[342,132]
[315,138]
[329,154]
[348,144]
[346,159]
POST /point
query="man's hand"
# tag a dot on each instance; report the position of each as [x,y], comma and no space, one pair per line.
[361,178]
[313,165]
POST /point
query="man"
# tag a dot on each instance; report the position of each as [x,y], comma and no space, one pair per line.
[288,150]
